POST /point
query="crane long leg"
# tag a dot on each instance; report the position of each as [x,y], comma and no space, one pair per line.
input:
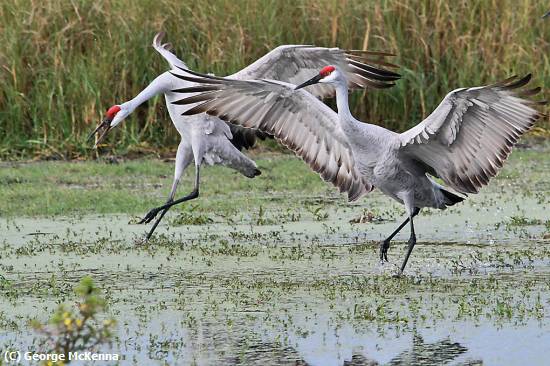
[411,243]
[153,213]
[385,245]
[156,224]
[170,200]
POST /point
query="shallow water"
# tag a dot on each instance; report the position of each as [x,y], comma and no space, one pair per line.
[308,290]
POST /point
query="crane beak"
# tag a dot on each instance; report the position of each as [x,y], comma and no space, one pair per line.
[105,124]
[313,80]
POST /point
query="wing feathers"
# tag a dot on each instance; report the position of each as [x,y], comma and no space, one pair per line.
[164,50]
[372,72]
[472,132]
[295,118]
[293,64]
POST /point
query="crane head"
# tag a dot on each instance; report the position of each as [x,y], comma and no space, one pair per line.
[111,120]
[326,75]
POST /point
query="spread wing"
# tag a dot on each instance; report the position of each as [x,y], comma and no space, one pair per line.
[242,137]
[293,64]
[295,117]
[470,134]
[164,50]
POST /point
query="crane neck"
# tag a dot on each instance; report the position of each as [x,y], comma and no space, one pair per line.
[357,132]
[342,102]
[157,86]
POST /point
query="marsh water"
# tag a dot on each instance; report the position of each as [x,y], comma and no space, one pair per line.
[301,285]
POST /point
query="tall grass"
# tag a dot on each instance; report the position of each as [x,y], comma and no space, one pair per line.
[64,62]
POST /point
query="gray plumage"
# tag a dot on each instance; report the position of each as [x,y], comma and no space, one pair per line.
[294,63]
[467,138]
[209,140]
[464,141]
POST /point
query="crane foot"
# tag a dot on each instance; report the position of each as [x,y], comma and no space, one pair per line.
[399,274]
[384,246]
[150,215]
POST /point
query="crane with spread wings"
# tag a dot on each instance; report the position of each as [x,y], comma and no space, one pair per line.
[464,141]
[208,139]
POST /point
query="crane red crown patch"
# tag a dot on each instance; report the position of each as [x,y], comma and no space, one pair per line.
[112,111]
[325,71]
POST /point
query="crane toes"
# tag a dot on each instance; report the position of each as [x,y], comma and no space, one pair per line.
[384,246]
[150,216]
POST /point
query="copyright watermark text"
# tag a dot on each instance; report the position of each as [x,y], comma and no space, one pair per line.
[14,357]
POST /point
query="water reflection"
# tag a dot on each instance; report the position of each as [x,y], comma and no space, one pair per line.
[442,352]
[421,353]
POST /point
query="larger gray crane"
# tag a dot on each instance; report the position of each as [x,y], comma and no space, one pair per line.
[464,141]
[207,139]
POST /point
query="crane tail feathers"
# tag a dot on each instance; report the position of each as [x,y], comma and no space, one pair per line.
[451,198]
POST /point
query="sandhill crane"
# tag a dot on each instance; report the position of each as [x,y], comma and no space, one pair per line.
[464,141]
[207,139]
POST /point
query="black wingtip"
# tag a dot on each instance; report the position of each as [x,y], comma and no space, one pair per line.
[193,111]
[374,53]
[187,70]
[517,83]
[204,76]
[188,78]
[530,92]
[375,72]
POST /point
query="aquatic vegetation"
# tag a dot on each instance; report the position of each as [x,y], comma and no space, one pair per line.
[290,289]
[78,328]
[191,216]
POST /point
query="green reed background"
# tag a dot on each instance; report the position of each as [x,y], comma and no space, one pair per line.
[62,63]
